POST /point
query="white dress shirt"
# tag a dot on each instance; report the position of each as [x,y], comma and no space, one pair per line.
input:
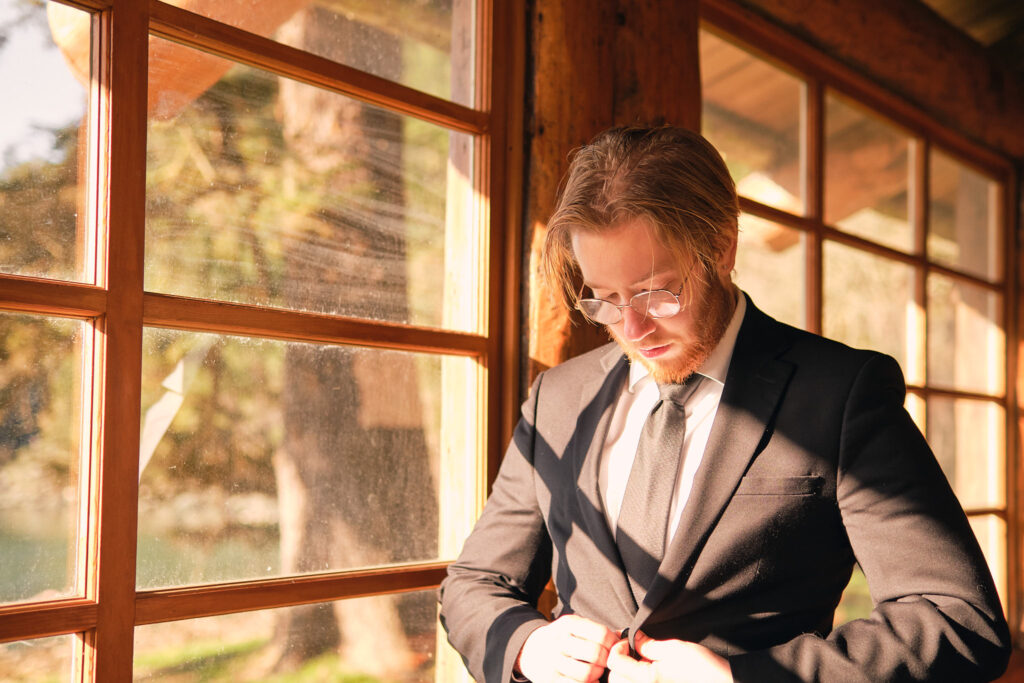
[636,401]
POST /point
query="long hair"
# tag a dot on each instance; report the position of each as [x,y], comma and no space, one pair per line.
[671,177]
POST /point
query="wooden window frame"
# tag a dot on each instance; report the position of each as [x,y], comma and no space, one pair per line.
[109,607]
[819,73]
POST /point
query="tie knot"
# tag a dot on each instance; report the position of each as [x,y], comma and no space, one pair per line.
[679,393]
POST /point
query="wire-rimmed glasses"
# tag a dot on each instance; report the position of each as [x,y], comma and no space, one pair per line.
[653,303]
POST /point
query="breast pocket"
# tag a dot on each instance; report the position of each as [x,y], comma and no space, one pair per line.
[780,486]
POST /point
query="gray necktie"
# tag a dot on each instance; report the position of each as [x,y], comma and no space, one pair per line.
[643,517]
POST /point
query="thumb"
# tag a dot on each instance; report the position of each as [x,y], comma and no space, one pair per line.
[649,648]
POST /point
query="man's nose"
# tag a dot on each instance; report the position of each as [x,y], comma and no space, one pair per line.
[636,326]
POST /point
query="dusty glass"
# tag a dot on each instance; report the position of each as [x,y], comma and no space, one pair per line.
[969,440]
[263,458]
[866,175]
[382,638]
[33,661]
[963,227]
[42,140]
[752,115]
[428,45]
[868,303]
[771,268]
[966,340]
[40,437]
[266,191]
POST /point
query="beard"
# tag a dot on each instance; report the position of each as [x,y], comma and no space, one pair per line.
[711,315]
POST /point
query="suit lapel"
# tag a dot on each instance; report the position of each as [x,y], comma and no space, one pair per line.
[597,403]
[754,386]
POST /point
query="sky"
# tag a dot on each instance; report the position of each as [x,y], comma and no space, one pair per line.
[37,90]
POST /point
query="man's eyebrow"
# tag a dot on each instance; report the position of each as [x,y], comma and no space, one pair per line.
[646,280]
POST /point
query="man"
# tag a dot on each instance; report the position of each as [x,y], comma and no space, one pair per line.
[700,488]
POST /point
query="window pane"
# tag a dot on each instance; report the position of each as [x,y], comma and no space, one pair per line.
[40,423]
[968,438]
[856,602]
[752,114]
[869,303]
[264,458]
[428,46]
[382,638]
[32,661]
[966,343]
[271,192]
[963,231]
[771,267]
[991,533]
[42,146]
[866,175]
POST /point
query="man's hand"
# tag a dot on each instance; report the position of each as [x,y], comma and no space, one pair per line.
[570,648]
[666,661]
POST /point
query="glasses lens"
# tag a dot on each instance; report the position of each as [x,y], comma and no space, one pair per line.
[661,303]
[599,311]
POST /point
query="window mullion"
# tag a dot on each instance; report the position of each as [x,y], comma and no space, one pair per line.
[123,77]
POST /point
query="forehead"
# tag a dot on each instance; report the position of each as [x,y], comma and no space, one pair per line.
[625,256]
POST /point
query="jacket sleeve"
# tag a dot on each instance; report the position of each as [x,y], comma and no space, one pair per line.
[937,616]
[488,600]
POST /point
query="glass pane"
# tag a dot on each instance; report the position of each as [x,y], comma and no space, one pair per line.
[969,440]
[263,458]
[866,175]
[40,423]
[990,531]
[856,602]
[382,638]
[270,192]
[963,231]
[426,45]
[869,303]
[771,267]
[966,341]
[751,113]
[32,661]
[41,141]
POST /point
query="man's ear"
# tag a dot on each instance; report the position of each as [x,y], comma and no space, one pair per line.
[727,260]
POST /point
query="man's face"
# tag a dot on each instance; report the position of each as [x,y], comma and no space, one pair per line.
[622,261]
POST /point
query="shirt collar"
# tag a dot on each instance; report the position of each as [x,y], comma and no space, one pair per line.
[716,365]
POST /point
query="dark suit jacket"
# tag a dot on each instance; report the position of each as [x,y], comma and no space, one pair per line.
[812,464]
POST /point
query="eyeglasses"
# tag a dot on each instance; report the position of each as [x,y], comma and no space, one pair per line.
[655,303]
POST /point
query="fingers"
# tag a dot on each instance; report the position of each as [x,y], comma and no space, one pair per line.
[570,648]
[622,668]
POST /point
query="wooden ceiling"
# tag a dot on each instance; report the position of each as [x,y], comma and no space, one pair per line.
[998,25]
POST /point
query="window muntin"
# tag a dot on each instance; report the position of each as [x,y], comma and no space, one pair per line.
[42,149]
[271,192]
